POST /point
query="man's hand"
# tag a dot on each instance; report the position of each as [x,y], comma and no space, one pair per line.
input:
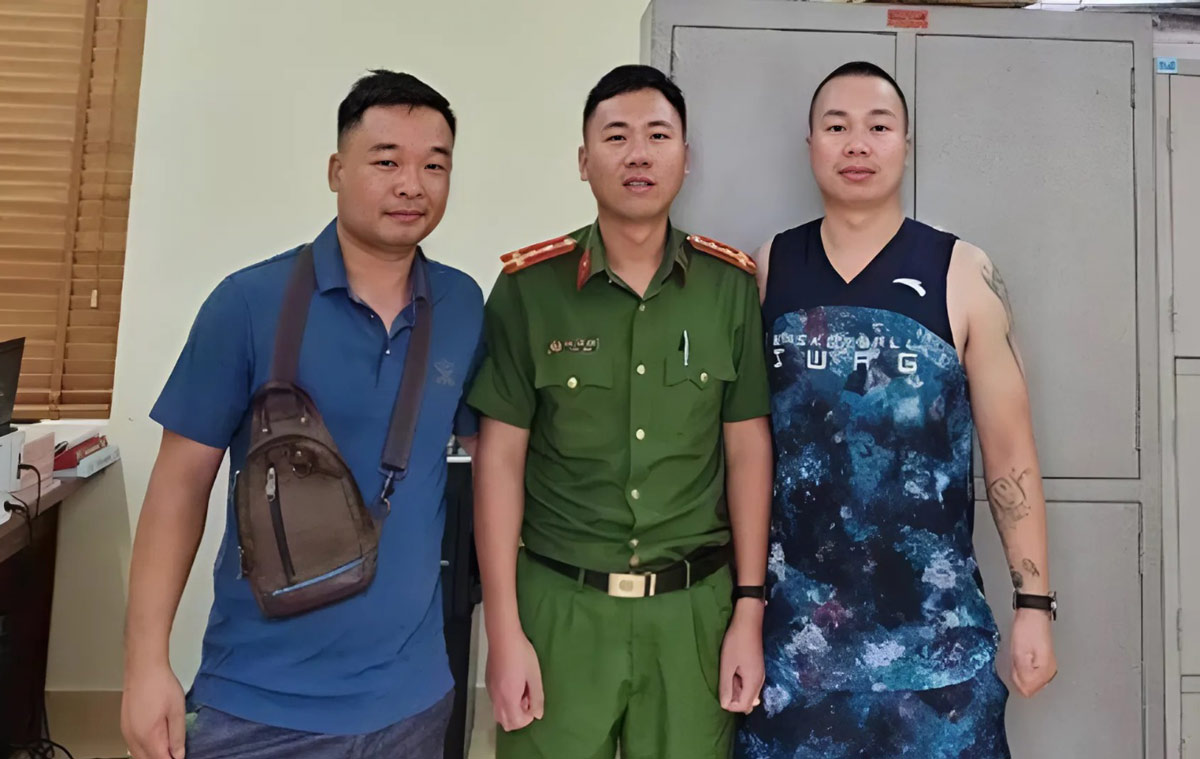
[168,534]
[742,672]
[1033,662]
[514,682]
[152,713]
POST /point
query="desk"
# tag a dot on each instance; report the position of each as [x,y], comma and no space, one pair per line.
[26,594]
[14,534]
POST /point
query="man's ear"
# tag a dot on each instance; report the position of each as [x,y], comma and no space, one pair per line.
[335,172]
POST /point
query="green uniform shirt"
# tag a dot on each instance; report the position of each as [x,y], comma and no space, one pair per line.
[624,397]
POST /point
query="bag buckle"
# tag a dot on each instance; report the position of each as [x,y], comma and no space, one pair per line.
[632,586]
[386,493]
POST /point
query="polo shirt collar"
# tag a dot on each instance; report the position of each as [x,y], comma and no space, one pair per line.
[330,267]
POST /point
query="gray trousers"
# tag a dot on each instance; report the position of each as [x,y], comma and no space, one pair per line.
[217,735]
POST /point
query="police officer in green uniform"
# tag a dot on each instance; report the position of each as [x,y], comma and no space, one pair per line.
[625,440]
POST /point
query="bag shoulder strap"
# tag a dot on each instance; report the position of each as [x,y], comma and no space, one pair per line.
[293,317]
[407,409]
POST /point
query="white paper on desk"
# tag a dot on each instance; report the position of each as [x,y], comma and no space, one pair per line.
[92,463]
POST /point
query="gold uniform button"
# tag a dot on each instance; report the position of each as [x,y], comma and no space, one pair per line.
[572,383]
[642,307]
[634,560]
[641,369]
[635,494]
[704,376]
[633,543]
[640,434]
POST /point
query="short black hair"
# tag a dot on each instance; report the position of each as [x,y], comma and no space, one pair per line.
[383,87]
[632,78]
[858,68]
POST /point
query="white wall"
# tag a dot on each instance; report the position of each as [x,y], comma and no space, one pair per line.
[89,587]
[236,120]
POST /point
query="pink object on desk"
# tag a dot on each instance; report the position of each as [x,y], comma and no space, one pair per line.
[38,453]
[30,494]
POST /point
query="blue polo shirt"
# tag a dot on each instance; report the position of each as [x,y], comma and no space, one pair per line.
[379,657]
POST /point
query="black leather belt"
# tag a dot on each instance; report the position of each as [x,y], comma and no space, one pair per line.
[679,576]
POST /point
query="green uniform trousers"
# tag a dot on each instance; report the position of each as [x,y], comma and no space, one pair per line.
[639,673]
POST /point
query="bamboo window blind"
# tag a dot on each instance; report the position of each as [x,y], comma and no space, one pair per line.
[69,77]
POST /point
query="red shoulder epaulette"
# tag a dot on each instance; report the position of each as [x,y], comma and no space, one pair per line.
[724,252]
[517,260]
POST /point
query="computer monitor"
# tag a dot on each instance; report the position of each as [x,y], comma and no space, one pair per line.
[11,352]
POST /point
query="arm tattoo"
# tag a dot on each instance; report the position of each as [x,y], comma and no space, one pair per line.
[991,275]
[1017,580]
[1008,499]
[1030,568]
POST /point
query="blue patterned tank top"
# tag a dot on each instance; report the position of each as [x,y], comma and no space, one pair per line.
[873,580]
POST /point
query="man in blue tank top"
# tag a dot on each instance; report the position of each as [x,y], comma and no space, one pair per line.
[878,639]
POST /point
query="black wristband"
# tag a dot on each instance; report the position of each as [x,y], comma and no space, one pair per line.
[1030,601]
[750,591]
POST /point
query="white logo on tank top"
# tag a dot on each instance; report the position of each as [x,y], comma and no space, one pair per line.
[913,283]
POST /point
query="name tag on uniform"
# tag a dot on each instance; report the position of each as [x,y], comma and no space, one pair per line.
[578,345]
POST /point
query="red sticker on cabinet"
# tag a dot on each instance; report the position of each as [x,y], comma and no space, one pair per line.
[908,19]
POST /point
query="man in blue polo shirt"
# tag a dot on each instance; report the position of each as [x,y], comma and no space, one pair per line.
[367,676]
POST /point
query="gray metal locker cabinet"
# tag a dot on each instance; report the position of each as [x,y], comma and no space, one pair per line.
[1178,116]
[1187,437]
[1188,452]
[1033,139]
[1191,726]
[1046,149]
[1185,201]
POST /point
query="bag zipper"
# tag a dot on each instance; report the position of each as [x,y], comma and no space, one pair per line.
[356,563]
[241,573]
[285,554]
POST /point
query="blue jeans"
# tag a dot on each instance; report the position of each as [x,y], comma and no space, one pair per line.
[213,734]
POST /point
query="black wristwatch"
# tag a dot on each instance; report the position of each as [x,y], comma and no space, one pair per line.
[1029,601]
[750,591]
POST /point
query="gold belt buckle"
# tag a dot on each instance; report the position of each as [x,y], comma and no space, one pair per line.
[631,586]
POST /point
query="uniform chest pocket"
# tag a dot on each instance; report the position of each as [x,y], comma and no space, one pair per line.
[693,394]
[573,373]
[708,365]
[575,393]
